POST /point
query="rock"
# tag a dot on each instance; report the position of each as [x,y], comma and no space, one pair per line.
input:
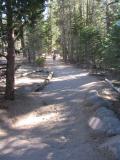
[92,93]
[94,98]
[98,101]
[112,146]
[105,122]
[103,111]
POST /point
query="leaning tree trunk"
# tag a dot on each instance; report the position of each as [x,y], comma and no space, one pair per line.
[9,92]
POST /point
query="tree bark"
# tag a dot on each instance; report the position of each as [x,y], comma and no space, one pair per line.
[9,92]
[23,41]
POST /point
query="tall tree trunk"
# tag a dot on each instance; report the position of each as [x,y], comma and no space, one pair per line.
[107,18]
[23,42]
[9,92]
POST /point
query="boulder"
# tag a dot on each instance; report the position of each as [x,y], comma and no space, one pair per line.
[105,122]
[95,99]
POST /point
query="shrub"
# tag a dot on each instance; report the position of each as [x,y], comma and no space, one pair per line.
[40,61]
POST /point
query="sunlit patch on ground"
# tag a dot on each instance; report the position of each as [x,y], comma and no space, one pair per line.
[18,145]
[27,81]
[39,117]
[50,155]
[32,120]
[61,139]
[2,132]
[47,117]
[89,85]
[60,98]
[70,77]
[95,123]
[51,125]
[108,94]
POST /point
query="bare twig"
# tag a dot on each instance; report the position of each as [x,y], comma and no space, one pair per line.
[110,83]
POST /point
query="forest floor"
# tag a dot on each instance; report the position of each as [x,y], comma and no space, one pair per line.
[53,124]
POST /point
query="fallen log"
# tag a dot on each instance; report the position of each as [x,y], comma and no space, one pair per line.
[112,86]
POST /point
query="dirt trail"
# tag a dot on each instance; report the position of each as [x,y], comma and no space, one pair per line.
[52,124]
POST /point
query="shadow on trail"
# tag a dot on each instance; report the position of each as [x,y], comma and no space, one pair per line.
[68,90]
[49,124]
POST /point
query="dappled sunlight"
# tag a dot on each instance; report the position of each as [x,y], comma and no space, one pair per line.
[69,77]
[62,66]
[48,119]
[25,142]
[48,123]
[95,123]
[3,133]
[88,85]
[91,85]
[108,97]
[21,145]
[60,98]
[61,139]
[13,142]
[53,53]
[27,81]
[67,90]
[77,100]
[33,119]
[107,94]
[93,91]
[18,145]
[50,156]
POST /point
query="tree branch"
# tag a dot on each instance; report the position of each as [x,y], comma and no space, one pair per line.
[112,3]
[22,25]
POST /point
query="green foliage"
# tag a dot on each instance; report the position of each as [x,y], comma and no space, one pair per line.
[39,37]
[115,35]
[40,61]
[14,16]
[89,32]
[85,30]
[111,48]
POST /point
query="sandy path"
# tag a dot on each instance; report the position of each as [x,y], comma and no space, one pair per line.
[52,125]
